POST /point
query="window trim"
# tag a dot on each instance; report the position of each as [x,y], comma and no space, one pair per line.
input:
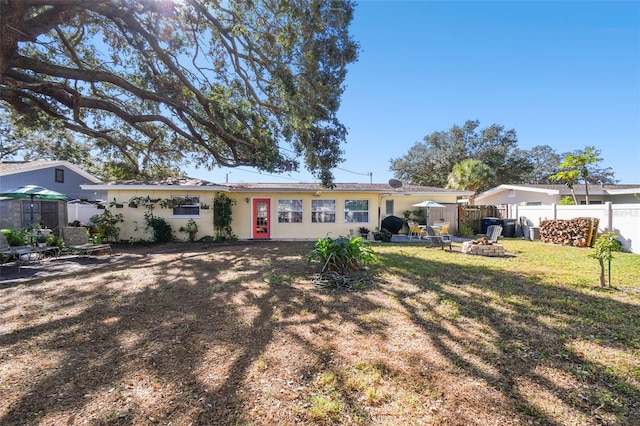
[368,211]
[59,175]
[334,212]
[182,205]
[290,211]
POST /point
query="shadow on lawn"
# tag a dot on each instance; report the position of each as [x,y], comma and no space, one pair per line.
[198,309]
[531,326]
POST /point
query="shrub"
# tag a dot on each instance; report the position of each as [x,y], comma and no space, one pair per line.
[383,235]
[161,229]
[465,231]
[16,238]
[342,255]
[566,201]
[106,223]
[222,218]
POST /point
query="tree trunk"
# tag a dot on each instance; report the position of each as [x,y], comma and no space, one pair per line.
[586,191]
[573,194]
[11,15]
[602,280]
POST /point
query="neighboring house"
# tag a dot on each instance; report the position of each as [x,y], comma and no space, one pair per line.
[536,195]
[60,176]
[273,210]
[617,207]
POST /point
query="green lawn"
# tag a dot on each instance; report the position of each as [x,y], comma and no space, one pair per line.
[542,306]
[237,334]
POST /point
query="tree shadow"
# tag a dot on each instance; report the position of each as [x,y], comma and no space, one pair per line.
[529,327]
[152,325]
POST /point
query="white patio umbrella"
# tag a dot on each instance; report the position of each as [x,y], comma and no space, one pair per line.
[428,204]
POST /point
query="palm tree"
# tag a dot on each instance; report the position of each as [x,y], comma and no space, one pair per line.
[471,175]
[569,177]
[578,166]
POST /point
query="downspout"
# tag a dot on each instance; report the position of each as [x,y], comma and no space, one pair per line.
[380,209]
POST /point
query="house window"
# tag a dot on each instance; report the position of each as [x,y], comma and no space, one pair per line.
[534,203]
[289,211]
[323,211]
[388,207]
[186,206]
[60,175]
[356,211]
[584,202]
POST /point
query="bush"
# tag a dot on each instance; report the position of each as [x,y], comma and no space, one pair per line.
[54,241]
[16,238]
[342,255]
[222,218]
[566,201]
[162,232]
[106,223]
[465,231]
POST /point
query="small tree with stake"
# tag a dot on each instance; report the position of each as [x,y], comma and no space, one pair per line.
[603,250]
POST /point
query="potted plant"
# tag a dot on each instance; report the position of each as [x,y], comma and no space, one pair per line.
[41,240]
[116,204]
[133,202]
[190,228]
[383,235]
[364,231]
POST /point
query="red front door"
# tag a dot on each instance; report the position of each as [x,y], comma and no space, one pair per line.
[261,218]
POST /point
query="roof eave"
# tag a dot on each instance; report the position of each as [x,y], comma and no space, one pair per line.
[107,187]
[70,166]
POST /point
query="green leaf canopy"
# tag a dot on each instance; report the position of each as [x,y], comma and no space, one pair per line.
[253,83]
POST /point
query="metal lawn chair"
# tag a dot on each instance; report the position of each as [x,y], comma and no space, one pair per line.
[76,239]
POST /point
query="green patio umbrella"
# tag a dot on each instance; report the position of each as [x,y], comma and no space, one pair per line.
[33,192]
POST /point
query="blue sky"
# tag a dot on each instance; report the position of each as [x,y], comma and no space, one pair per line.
[564,74]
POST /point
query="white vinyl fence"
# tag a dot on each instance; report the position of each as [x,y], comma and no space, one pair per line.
[81,212]
[623,219]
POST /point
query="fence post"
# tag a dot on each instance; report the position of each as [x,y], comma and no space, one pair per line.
[608,205]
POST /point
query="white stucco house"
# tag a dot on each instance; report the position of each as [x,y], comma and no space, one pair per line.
[536,195]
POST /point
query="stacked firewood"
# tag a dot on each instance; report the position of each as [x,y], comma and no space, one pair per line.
[578,232]
[483,241]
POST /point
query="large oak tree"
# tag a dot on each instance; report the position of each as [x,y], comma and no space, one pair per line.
[162,82]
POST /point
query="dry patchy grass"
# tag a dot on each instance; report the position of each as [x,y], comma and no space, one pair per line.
[237,334]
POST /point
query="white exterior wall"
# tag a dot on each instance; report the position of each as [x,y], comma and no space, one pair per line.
[520,197]
[623,219]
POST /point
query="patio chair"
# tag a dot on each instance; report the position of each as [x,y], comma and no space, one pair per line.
[434,239]
[415,230]
[441,227]
[76,239]
[7,252]
[494,232]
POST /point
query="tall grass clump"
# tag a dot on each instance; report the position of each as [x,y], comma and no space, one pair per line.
[342,255]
